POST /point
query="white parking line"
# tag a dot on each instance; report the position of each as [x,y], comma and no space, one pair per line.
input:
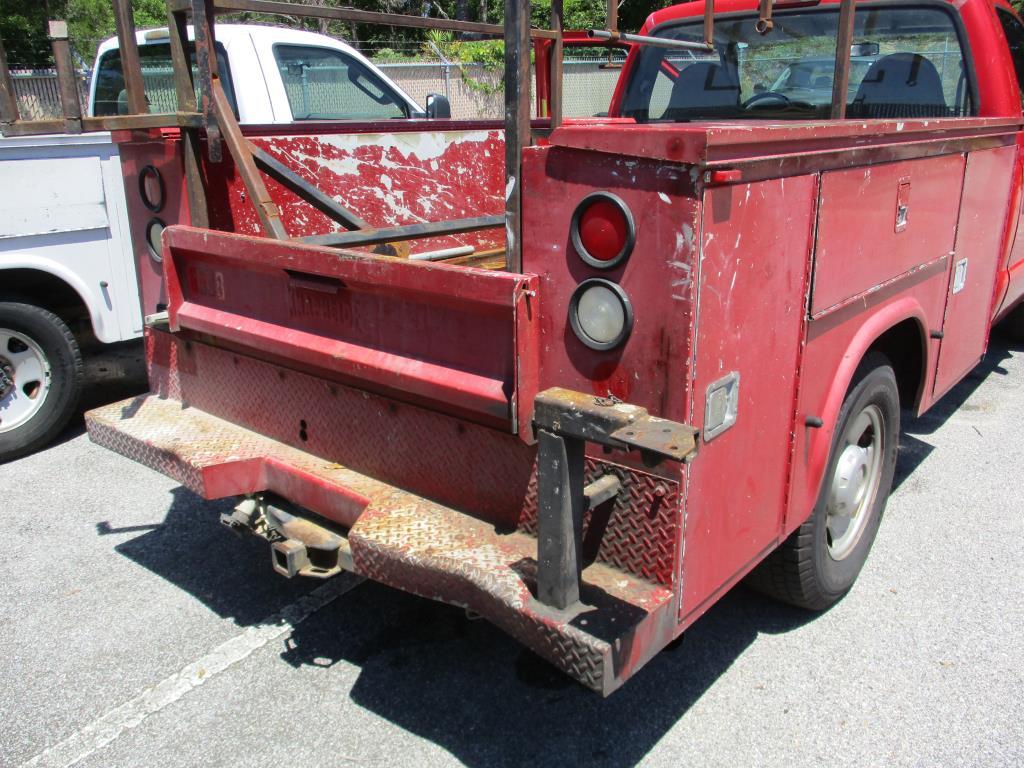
[133,712]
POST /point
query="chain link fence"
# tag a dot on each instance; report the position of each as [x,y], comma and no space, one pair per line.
[38,94]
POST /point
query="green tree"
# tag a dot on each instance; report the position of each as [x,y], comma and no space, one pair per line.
[24,32]
[90,22]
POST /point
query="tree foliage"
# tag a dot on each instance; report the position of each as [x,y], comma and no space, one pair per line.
[23,29]
[90,22]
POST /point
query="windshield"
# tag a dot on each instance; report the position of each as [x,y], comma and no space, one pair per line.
[906,62]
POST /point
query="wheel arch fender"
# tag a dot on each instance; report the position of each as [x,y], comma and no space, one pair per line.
[23,274]
[905,317]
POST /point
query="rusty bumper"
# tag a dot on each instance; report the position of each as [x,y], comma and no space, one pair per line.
[404,540]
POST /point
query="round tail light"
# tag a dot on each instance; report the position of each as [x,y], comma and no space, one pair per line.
[600,314]
[154,229]
[602,230]
[151,188]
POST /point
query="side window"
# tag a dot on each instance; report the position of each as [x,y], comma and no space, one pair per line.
[325,84]
[157,80]
[1014,32]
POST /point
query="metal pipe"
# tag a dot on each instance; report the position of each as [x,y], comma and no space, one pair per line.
[841,80]
[611,15]
[131,68]
[661,42]
[8,100]
[352,14]
[405,232]
[764,23]
[556,65]
[69,103]
[303,189]
[517,123]
[443,253]
[709,22]
[266,208]
[206,67]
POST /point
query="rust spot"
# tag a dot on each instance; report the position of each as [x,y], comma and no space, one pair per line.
[609,378]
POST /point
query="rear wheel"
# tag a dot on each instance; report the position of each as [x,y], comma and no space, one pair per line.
[40,377]
[819,562]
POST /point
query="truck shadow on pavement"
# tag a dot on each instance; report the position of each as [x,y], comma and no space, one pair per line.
[914,447]
[435,672]
[461,683]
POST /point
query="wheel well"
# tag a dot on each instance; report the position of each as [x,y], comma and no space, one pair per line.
[51,293]
[904,345]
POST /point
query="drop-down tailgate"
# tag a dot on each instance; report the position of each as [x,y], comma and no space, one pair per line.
[457,339]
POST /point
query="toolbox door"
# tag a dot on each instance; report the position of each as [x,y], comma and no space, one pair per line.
[972,274]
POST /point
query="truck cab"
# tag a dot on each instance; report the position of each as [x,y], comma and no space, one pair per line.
[301,76]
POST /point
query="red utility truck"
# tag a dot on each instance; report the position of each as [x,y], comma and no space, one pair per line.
[678,359]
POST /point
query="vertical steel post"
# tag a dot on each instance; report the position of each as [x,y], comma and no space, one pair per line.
[611,16]
[8,99]
[555,73]
[70,106]
[841,81]
[709,22]
[266,208]
[184,86]
[206,67]
[131,69]
[559,518]
[517,123]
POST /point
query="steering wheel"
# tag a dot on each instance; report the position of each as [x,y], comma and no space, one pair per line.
[758,97]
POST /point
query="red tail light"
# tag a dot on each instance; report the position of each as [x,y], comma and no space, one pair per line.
[602,230]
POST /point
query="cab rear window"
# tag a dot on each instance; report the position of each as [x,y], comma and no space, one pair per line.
[905,62]
[157,80]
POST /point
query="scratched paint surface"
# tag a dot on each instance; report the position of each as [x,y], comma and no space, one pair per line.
[651,369]
[388,179]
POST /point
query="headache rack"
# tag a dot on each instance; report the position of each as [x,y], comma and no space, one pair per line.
[212,119]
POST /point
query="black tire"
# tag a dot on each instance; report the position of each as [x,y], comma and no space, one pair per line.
[60,350]
[803,571]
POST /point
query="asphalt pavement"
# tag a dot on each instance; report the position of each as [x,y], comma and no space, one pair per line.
[136,631]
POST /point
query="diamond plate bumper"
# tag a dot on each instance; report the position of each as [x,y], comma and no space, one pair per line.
[404,540]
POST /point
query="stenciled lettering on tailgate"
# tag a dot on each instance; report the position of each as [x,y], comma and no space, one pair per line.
[315,304]
[205,281]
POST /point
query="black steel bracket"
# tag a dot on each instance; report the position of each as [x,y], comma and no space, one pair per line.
[565,421]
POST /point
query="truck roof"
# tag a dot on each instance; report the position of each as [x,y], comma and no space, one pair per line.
[227,32]
[696,8]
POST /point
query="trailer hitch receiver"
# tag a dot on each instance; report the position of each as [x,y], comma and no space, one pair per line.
[565,421]
[298,545]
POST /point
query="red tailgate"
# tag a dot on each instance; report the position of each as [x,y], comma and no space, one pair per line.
[438,335]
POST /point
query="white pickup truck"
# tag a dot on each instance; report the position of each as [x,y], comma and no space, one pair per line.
[67,275]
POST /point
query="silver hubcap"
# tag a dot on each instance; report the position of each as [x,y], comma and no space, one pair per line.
[855,482]
[24,379]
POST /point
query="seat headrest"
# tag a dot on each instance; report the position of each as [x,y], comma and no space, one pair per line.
[900,85]
[700,86]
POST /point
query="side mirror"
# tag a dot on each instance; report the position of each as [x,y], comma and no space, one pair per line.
[760,87]
[438,107]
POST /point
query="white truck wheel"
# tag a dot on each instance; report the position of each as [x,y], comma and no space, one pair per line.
[40,377]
